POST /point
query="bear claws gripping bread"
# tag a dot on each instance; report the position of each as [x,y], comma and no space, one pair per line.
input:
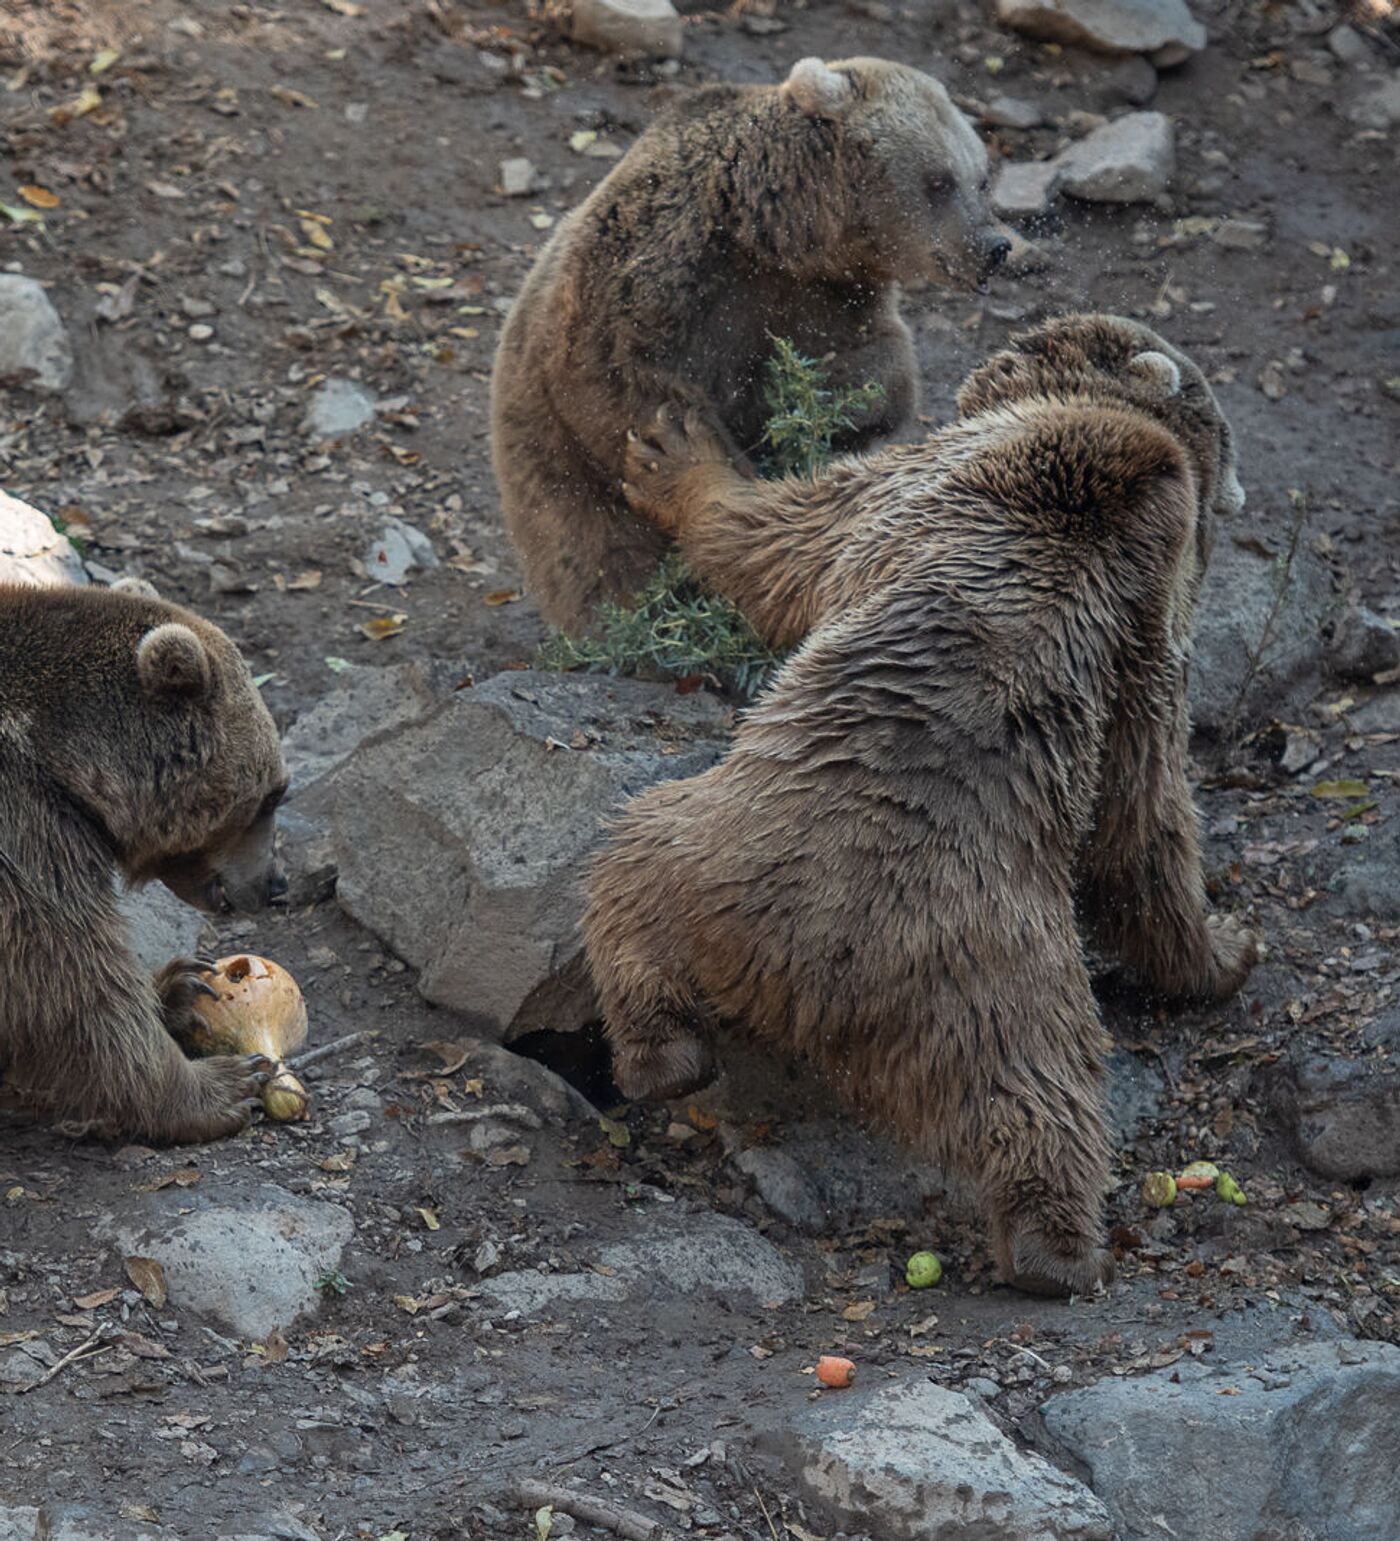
[982,739]
[743,213]
[132,739]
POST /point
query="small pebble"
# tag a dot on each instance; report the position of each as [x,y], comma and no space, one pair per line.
[201,332]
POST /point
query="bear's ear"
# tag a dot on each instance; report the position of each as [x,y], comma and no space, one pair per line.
[171,662]
[137,587]
[1156,371]
[818,91]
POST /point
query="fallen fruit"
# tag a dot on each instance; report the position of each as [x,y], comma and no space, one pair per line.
[1200,1174]
[1228,1189]
[832,1371]
[257,1009]
[922,1270]
[1159,1190]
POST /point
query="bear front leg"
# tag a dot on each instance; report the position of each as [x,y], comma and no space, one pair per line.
[772,547]
[657,1026]
[886,359]
[1143,894]
[1043,1173]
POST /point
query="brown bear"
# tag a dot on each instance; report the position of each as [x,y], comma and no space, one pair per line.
[983,733]
[742,214]
[132,739]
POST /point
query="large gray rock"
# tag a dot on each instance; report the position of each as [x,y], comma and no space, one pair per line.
[916,1460]
[34,348]
[364,700]
[1343,1115]
[159,925]
[1300,1448]
[1364,644]
[248,1261]
[1131,160]
[650,27]
[1258,643]
[682,1253]
[462,838]
[32,551]
[74,1522]
[1164,30]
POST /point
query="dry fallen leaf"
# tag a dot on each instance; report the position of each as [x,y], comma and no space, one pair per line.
[97,1298]
[103,61]
[317,234]
[275,1348]
[89,99]
[39,197]
[452,1055]
[142,1347]
[430,1219]
[149,1277]
[342,1161]
[310,579]
[344,7]
[508,1155]
[293,98]
[859,1311]
[383,626]
[503,596]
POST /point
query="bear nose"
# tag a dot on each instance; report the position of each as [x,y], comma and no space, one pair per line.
[277,886]
[998,249]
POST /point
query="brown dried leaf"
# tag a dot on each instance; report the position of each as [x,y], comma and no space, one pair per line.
[149,1277]
[502,597]
[38,197]
[142,1347]
[859,1311]
[96,1299]
[383,626]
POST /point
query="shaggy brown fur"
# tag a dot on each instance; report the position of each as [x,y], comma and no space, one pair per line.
[131,738]
[743,213]
[986,725]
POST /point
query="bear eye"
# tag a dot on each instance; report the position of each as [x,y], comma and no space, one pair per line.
[937,185]
[272,801]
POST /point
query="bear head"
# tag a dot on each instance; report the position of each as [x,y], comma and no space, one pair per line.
[909,197]
[1112,359]
[165,742]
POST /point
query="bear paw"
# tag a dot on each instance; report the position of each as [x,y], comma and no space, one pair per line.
[658,1070]
[1043,1264]
[179,985]
[218,1099]
[661,460]
[1236,949]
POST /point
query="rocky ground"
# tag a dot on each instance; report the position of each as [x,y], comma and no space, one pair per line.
[277,243]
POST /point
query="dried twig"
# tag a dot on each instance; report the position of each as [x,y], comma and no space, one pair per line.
[329,1050]
[626,1523]
[71,1357]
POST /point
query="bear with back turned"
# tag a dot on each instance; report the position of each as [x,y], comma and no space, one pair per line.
[132,741]
[742,214]
[979,748]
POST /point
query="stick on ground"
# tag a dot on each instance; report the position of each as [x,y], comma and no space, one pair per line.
[626,1523]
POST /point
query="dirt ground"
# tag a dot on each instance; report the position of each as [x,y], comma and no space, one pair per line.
[310,188]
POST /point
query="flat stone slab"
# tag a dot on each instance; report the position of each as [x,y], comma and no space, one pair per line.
[679,1253]
[1164,30]
[1300,1445]
[914,1460]
[247,1262]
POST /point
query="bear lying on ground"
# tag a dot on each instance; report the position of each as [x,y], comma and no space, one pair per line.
[983,733]
[132,738]
[741,214]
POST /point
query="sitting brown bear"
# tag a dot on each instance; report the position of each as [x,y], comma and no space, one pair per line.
[985,728]
[741,214]
[132,738]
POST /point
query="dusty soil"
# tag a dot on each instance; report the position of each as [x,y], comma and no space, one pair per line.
[227,136]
